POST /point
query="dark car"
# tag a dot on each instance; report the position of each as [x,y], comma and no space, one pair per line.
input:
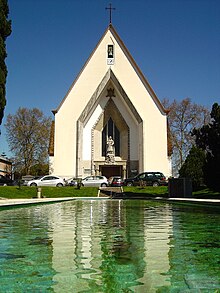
[116,181]
[147,178]
[6,181]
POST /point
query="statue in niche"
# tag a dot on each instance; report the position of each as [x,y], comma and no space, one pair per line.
[110,151]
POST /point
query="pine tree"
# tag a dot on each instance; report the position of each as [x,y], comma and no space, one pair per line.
[208,139]
[5,31]
[193,167]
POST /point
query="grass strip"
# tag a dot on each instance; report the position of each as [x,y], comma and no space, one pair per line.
[14,192]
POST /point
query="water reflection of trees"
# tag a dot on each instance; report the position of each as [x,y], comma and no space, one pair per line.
[194,249]
[124,246]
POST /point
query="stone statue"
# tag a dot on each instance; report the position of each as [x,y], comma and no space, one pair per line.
[110,151]
[110,145]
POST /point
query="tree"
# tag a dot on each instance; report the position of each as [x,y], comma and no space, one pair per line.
[208,138]
[193,167]
[5,31]
[183,117]
[28,133]
[39,169]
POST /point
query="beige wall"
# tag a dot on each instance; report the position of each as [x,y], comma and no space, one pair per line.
[148,140]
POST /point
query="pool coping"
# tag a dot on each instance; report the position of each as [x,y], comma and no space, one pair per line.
[17,202]
[203,201]
[32,201]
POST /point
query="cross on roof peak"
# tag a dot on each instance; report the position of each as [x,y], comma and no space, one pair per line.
[110,8]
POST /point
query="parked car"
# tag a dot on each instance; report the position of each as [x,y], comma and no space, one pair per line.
[6,181]
[25,182]
[115,181]
[48,180]
[147,178]
[95,181]
[72,181]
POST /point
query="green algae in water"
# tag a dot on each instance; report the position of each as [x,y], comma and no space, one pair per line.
[109,246]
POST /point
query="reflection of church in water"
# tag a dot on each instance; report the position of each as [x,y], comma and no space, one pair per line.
[110,122]
[105,245]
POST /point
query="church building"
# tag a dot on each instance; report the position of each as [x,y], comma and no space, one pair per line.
[110,122]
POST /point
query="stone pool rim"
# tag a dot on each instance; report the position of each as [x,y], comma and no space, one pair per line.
[27,202]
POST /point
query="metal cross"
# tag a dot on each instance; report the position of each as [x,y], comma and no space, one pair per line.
[110,8]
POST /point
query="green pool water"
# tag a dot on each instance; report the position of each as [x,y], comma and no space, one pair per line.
[110,246]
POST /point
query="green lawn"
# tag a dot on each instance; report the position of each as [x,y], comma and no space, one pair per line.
[149,191]
[49,192]
[13,192]
[162,191]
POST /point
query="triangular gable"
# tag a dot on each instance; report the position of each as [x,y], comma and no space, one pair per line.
[132,62]
[109,76]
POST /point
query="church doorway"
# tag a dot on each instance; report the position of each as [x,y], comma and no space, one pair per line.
[109,171]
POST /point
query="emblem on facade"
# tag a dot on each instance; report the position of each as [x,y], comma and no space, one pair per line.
[110,93]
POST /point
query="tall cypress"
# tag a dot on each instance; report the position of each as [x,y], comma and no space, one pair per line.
[5,31]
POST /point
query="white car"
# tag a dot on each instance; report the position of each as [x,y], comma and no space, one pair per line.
[48,180]
[95,181]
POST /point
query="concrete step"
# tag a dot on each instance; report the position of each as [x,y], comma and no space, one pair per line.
[109,191]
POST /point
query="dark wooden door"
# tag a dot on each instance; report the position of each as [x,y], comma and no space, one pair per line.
[109,171]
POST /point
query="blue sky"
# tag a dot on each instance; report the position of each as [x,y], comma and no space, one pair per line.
[176,44]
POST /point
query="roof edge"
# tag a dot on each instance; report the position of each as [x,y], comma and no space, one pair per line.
[137,69]
[82,69]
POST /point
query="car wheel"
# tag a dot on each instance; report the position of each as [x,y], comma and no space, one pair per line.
[103,185]
[33,184]
[155,184]
[59,185]
[129,184]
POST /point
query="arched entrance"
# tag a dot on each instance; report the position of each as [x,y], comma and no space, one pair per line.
[112,170]
[108,170]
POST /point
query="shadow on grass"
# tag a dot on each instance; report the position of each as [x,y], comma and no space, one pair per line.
[143,192]
[162,192]
[206,194]
[133,195]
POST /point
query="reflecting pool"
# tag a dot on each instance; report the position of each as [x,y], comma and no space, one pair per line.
[110,246]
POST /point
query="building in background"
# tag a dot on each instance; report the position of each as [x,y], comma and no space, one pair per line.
[5,166]
[110,122]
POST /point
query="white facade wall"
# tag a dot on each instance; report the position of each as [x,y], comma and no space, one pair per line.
[155,122]
[149,145]
[87,131]
[70,110]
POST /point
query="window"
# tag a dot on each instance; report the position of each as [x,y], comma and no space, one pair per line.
[89,178]
[159,175]
[110,129]
[110,51]
[150,175]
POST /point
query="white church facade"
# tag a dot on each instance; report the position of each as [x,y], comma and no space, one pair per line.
[110,122]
